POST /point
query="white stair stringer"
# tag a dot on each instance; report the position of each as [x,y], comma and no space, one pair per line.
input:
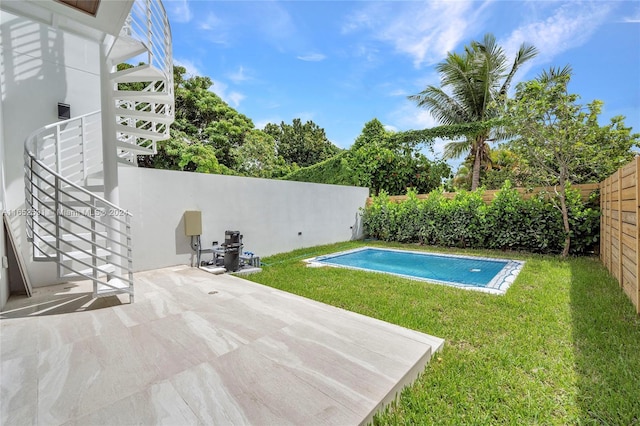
[143,94]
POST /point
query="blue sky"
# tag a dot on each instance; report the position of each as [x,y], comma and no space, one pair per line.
[342,64]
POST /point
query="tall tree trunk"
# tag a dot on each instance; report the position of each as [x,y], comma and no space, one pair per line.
[565,218]
[475,177]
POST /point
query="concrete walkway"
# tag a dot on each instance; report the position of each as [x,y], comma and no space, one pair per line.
[197,348]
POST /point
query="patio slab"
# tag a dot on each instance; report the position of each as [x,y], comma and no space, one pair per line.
[197,348]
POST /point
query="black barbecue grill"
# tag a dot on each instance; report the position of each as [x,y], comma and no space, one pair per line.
[232,247]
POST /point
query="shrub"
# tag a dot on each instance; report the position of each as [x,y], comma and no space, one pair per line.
[509,222]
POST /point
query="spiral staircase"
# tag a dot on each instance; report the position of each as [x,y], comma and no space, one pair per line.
[69,221]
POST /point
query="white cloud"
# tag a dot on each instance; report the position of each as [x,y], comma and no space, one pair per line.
[192,69]
[398,92]
[212,22]
[369,53]
[425,31]
[238,76]
[312,57]
[569,26]
[179,11]
[633,18]
[233,98]
[407,116]
[215,30]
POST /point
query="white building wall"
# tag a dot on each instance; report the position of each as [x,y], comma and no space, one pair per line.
[4,284]
[270,214]
[40,66]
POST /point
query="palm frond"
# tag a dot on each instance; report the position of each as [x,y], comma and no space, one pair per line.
[456,149]
[443,107]
[525,53]
[553,74]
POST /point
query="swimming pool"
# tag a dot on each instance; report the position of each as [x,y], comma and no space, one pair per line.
[475,273]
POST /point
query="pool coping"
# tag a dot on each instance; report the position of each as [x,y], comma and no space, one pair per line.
[498,285]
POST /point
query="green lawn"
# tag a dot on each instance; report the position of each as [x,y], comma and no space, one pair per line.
[561,347]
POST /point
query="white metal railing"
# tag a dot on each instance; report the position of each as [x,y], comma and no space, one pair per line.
[148,22]
[86,235]
[71,148]
[148,118]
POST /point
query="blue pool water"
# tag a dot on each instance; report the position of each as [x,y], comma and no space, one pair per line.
[493,274]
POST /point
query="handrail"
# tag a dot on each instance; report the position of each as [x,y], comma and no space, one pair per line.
[61,138]
[148,22]
[63,221]
[79,188]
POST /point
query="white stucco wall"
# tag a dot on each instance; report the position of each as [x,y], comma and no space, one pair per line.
[39,67]
[4,284]
[268,213]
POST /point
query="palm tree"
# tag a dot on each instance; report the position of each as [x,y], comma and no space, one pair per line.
[473,89]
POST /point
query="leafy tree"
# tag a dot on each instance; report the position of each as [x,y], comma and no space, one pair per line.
[381,162]
[203,115]
[473,89]
[301,144]
[504,165]
[180,152]
[257,157]
[562,140]
[336,171]
[373,133]
[203,119]
[462,179]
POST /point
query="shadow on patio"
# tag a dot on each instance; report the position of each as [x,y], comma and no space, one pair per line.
[201,348]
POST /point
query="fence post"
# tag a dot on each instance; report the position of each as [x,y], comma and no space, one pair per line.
[610,224]
[620,226]
[602,187]
[637,234]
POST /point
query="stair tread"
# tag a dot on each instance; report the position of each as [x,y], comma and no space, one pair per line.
[103,269]
[148,134]
[143,96]
[108,290]
[81,255]
[72,237]
[126,47]
[141,73]
[145,115]
[129,147]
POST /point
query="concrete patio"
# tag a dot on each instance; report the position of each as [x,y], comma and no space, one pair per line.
[197,348]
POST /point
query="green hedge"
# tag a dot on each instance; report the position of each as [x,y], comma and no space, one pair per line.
[334,170]
[508,223]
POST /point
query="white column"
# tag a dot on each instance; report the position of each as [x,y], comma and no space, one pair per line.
[109,145]
[109,154]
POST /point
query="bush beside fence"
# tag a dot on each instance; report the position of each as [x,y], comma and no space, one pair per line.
[586,192]
[509,222]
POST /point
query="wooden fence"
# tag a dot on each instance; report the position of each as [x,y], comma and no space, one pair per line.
[488,196]
[619,231]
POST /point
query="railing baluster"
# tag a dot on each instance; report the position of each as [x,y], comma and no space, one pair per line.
[83,145]
[58,150]
[56,206]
